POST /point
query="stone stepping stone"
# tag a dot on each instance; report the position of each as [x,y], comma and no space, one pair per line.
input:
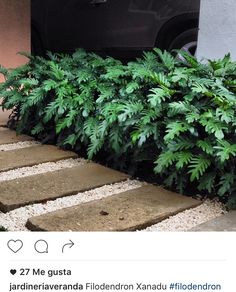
[49,186]
[32,156]
[127,211]
[225,222]
[3,116]
[8,137]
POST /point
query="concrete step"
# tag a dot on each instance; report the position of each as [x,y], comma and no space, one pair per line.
[8,137]
[225,222]
[31,156]
[127,211]
[48,186]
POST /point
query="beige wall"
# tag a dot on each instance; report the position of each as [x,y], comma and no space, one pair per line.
[14,33]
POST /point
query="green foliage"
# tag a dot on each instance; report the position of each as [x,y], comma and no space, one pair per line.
[179,115]
[2,228]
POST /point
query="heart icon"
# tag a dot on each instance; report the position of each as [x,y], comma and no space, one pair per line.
[13,272]
[15,245]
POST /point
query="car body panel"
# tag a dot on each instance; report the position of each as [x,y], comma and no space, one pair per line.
[110,25]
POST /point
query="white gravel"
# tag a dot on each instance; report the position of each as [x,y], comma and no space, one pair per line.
[19,145]
[40,168]
[16,219]
[188,219]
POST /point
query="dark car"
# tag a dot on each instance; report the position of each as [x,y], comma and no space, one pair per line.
[120,27]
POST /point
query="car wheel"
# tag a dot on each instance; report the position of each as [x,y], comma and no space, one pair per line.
[186,41]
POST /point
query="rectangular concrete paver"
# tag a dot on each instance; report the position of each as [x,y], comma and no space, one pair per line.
[52,185]
[2,122]
[8,137]
[31,156]
[3,116]
[127,211]
[225,222]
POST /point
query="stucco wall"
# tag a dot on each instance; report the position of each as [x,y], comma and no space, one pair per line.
[217,35]
[14,35]
[14,31]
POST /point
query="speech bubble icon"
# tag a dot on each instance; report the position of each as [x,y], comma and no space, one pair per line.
[41,246]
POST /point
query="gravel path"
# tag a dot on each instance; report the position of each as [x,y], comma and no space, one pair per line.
[16,219]
[40,168]
[18,145]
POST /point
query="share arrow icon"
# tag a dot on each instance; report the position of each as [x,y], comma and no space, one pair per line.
[67,245]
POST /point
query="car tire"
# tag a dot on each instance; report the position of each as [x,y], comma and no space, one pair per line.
[186,41]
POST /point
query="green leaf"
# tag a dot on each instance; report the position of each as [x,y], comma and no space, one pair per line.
[3,71]
[174,129]
[61,125]
[132,86]
[36,96]
[213,126]
[226,116]
[29,82]
[225,150]
[71,140]
[166,58]
[171,179]
[192,116]
[181,73]
[198,165]
[165,160]
[37,129]
[189,59]
[56,71]
[158,96]
[207,182]
[178,107]
[199,88]
[161,79]
[49,85]
[180,144]
[226,182]
[94,147]
[115,73]
[206,146]
[116,139]
[183,159]
[128,110]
